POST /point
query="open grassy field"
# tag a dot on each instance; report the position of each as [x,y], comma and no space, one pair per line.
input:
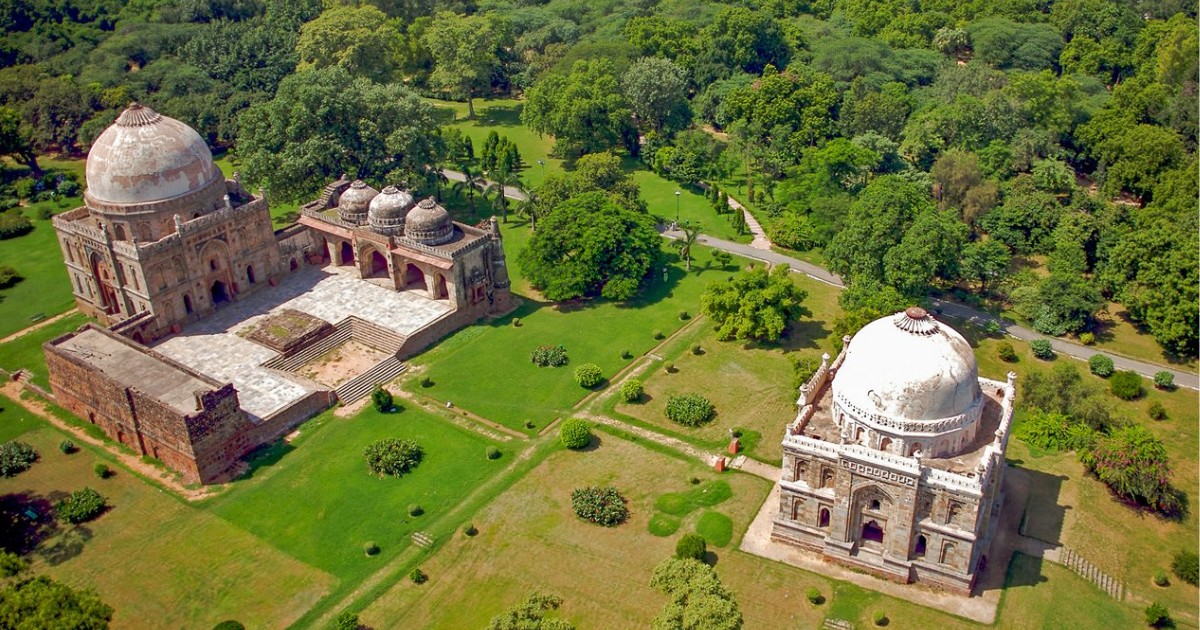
[158,562]
[749,384]
[45,289]
[485,368]
[26,351]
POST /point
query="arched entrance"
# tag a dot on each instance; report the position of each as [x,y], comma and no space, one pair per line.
[250,273]
[347,254]
[921,547]
[823,518]
[220,294]
[294,265]
[379,265]
[187,304]
[103,276]
[414,278]
[439,288]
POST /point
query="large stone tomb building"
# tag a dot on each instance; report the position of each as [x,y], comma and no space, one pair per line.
[894,462]
[167,251]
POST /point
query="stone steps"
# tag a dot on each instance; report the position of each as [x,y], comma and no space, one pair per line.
[836,624]
[293,362]
[421,539]
[1090,572]
[362,384]
[374,336]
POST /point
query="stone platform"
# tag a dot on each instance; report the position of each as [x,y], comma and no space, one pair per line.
[212,346]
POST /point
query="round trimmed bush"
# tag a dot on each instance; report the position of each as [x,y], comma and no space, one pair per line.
[696,349]
[814,596]
[80,506]
[102,470]
[415,510]
[690,410]
[393,456]
[418,576]
[67,447]
[1042,349]
[1157,615]
[16,457]
[1157,411]
[1160,578]
[516,321]
[668,367]
[1101,365]
[601,505]
[492,452]
[632,390]
[1164,380]
[1087,338]
[588,375]
[880,618]
[1126,384]
[370,548]
[381,399]
[691,546]
[229,624]
[684,315]
[1006,352]
[1186,565]
[658,334]
[574,433]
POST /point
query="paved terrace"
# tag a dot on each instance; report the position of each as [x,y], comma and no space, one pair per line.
[213,347]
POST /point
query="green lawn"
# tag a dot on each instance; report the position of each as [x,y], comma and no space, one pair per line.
[485,368]
[45,289]
[315,499]
[26,351]
[155,560]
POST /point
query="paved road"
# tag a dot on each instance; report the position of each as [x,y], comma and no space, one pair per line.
[1074,350]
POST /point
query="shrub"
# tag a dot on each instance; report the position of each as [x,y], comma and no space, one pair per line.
[549,356]
[345,620]
[814,596]
[8,276]
[1185,565]
[880,618]
[684,315]
[658,334]
[16,457]
[602,505]
[1157,411]
[992,328]
[574,433]
[102,471]
[418,576]
[690,410]
[691,546]
[632,390]
[529,424]
[393,456]
[14,224]
[470,531]
[1134,465]
[588,375]
[415,510]
[492,452]
[1055,432]
[67,447]
[1160,578]
[1006,352]
[1042,349]
[696,349]
[669,367]
[1126,384]
[229,625]
[381,399]
[80,506]
[370,548]
[625,354]
[1087,338]
[426,381]
[1164,380]
[1101,365]
[1157,615]
[722,258]
[516,322]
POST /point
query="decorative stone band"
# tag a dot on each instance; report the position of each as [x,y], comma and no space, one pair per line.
[353,219]
[393,222]
[941,425]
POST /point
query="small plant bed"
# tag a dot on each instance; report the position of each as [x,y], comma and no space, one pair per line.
[690,410]
[683,503]
[663,524]
[715,527]
[601,505]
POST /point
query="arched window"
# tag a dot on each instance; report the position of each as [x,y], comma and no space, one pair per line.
[120,229]
[885,444]
[797,508]
[826,478]
[250,273]
[919,549]
[858,434]
[187,304]
[947,556]
[874,504]
[823,518]
[914,448]
[801,470]
[953,512]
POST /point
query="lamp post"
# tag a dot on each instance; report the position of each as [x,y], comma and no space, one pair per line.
[542,163]
[677,193]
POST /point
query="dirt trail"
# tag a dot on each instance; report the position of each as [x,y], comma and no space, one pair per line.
[41,324]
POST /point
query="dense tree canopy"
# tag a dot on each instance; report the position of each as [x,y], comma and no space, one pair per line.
[585,110]
[40,602]
[754,305]
[698,599]
[350,37]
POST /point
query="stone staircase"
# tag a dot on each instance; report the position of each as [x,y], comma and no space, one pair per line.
[362,384]
[832,623]
[1088,571]
[374,336]
[293,362]
[421,539]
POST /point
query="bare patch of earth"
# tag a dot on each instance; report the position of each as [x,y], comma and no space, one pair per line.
[342,363]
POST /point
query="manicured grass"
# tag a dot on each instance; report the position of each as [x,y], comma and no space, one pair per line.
[1118,335]
[662,524]
[683,503]
[530,540]
[485,368]
[659,194]
[715,527]
[26,351]
[1040,594]
[45,289]
[15,421]
[749,384]
[155,560]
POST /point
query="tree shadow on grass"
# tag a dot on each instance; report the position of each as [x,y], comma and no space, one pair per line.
[21,533]
[67,546]
[499,116]
[266,456]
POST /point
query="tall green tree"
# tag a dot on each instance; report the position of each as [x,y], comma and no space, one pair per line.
[14,140]
[530,614]
[43,603]
[878,221]
[355,38]
[584,110]
[754,305]
[986,262]
[699,601]
[323,123]
[466,51]
[931,250]
[657,92]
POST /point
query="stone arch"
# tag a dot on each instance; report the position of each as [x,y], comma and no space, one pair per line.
[372,262]
[885,443]
[947,555]
[119,230]
[137,336]
[921,546]
[215,255]
[145,234]
[293,265]
[102,275]
[827,477]
[347,254]
[872,532]
[414,277]
[188,309]
[943,448]
[440,292]
[859,433]
[914,448]
[219,292]
[250,274]
[823,517]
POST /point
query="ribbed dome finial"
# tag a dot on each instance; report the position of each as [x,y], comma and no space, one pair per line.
[915,320]
[137,115]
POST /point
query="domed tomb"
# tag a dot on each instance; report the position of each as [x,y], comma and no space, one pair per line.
[910,378]
[147,162]
[387,210]
[355,203]
[429,223]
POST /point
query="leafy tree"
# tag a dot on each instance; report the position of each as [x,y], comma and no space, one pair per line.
[589,246]
[754,305]
[381,399]
[1027,218]
[355,38]
[657,90]
[597,172]
[41,602]
[15,140]
[794,107]
[530,614]
[346,620]
[698,599]
[323,123]
[959,183]
[1186,566]
[80,506]
[574,433]
[465,52]
[1126,384]
[1164,379]
[16,457]
[1042,349]
[792,231]
[882,110]
[1157,615]
[1060,304]
[56,112]
[584,110]
[1007,44]
[986,261]
[931,250]
[1062,390]
[740,39]
[1134,464]
[878,220]
[393,456]
[691,546]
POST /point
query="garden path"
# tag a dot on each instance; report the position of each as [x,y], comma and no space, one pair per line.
[44,322]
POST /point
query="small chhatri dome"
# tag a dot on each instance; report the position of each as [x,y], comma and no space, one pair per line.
[388,208]
[429,223]
[908,366]
[354,204]
[146,157]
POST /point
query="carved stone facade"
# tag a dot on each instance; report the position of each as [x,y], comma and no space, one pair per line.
[857,485]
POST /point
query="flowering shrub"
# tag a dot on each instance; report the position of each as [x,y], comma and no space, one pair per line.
[602,505]
[80,506]
[1133,464]
[690,410]
[16,457]
[549,356]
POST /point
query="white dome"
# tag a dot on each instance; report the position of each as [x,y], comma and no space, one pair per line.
[909,366]
[146,157]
